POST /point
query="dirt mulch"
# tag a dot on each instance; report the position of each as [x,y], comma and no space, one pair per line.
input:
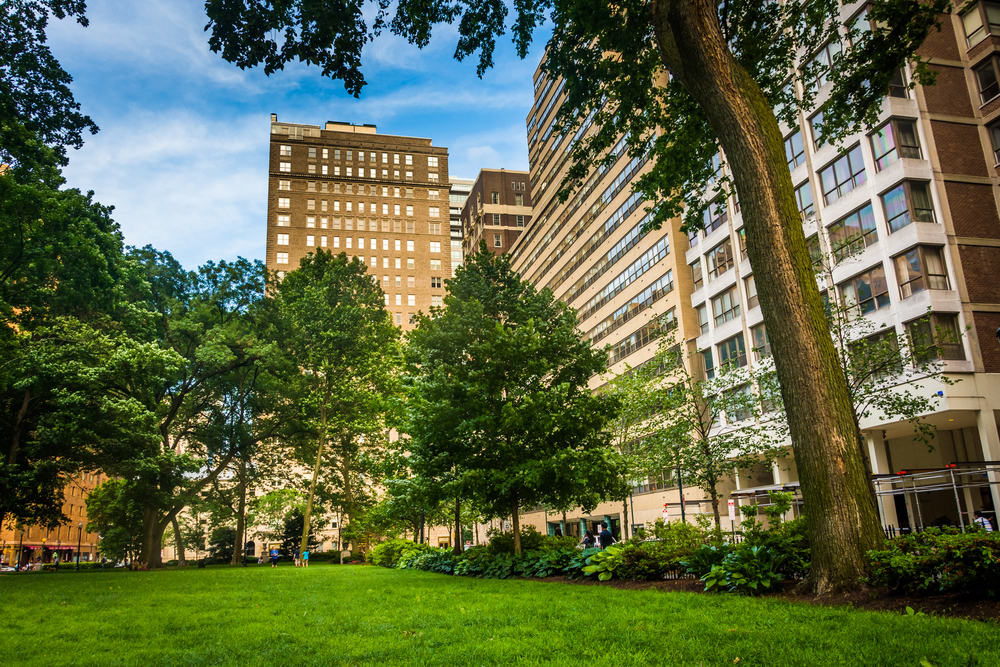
[868,599]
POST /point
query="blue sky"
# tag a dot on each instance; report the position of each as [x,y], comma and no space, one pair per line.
[182,152]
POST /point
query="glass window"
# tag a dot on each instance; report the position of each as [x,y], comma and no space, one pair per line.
[920,269]
[815,250]
[986,76]
[751,291]
[867,292]
[908,201]
[822,63]
[804,198]
[816,127]
[709,361]
[284,185]
[795,152]
[715,216]
[853,234]
[696,275]
[497,241]
[285,151]
[895,139]
[720,259]
[843,175]
[726,306]
[897,85]
[741,236]
[761,342]
[994,131]
[936,337]
[702,318]
[733,352]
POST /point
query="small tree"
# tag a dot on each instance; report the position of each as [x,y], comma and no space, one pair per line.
[498,406]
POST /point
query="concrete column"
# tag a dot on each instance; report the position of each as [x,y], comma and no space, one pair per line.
[986,423]
[879,457]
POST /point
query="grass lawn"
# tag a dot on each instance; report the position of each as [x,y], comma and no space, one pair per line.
[356,615]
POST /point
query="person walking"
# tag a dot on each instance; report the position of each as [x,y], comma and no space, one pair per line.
[305,558]
[295,557]
[983,521]
[607,539]
[588,540]
[274,558]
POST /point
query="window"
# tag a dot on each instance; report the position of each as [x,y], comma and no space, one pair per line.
[285,166]
[399,299]
[518,200]
[908,201]
[435,246]
[715,216]
[741,236]
[322,241]
[867,292]
[348,240]
[709,363]
[410,263]
[411,318]
[496,218]
[895,139]
[409,245]
[815,250]
[751,291]
[497,241]
[994,131]
[282,258]
[336,241]
[282,239]
[795,152]
[350,155]
[696,275]
[284,185]
[437,301]
[761,342]
[432,161]
[432,176]
[720,259]
[409,192]
[495,197]
[324,222]
[409,175]
[409,160]
[285,151]
[284,202]
[310,221]
[693,238]
[804,198]
[411,300]
[310,240]
[310,204]
[409,210]
[312,169]
[435,282]
[702,318]
[843,175]
[395,158]
[936,337]
[726,306]
[326,153]
[325,170]
[733,352]
[435,265]
[520,220]
[312,152]
[399,319]
[819,67]
[395,209]
[920,269]
[979,20]
[323,205]
[434,211]
[897,85]
[986,76]
[853,234]
[816,127]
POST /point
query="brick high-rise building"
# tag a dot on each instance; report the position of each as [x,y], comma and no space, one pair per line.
[381,198]
[497,211]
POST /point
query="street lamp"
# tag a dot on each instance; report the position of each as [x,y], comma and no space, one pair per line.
[79,541]
[20,550]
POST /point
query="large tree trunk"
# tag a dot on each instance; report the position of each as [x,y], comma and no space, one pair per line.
[457,549]
[843,524]
[152,538]
[515,524]
[239,552]
[304,544]
[181,556]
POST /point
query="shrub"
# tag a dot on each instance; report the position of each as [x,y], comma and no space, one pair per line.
[385,554]
[502,566]
[704,559]
[503,543]
[545,563]
[788,538]
[939,560]
[409,553]
[577,561]
[604,563]
[649,561]
[751,571]
[473,562]
[434,560]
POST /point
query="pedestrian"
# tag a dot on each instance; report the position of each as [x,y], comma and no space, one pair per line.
[588,540]
[983,521]
[305,558]
[607,539]
[274,558]
[295,557]
[558,532]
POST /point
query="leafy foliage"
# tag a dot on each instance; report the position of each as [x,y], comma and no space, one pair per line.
[749,571]
[940,560]
[386,554]
[604,562]
[704,559]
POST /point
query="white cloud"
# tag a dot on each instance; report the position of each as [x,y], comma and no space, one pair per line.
[191,185]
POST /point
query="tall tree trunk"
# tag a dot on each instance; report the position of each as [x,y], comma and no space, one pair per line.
[181,556]
[843,524]
[515,524]
[239,552]
[152,538]
[458,527]
[304,544]
[15,441]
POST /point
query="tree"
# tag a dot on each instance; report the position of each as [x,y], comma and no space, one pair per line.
[498,408]
[682,79]
[114,509]
[337,328]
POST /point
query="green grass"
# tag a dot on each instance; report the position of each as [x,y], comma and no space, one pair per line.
[355,615]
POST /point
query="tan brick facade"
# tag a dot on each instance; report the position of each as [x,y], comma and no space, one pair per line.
[383,199]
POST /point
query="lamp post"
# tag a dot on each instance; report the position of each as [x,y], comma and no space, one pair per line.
[79,541]
[20,550]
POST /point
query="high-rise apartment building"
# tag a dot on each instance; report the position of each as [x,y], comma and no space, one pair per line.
[461,188]
[381,198]
[497,211]
[625,285]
